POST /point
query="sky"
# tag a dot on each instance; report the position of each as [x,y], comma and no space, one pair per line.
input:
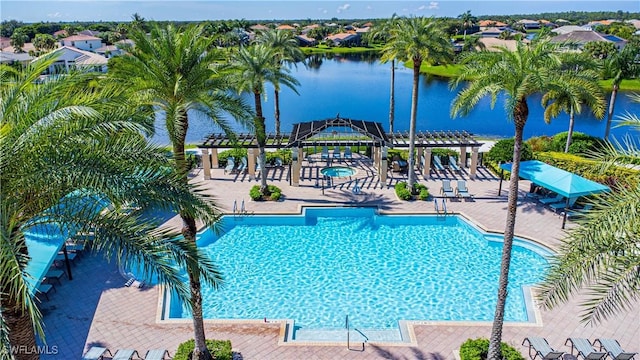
[110,10]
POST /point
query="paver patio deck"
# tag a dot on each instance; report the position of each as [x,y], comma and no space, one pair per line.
[97,309]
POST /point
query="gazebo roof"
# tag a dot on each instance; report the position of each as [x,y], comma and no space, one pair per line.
[305,130]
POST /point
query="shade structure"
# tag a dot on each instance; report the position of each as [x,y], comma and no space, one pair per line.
[561,182]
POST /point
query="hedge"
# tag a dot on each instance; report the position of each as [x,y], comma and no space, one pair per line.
[273,193]
[479,348]
[220,349]
[403,192]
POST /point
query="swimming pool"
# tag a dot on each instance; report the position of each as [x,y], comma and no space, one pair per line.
[318,267]
[338,171]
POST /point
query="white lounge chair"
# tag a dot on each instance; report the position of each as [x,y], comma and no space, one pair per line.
[584,349]
[453,164]
[125,354]
[446,190]
[347,153]
[336,153]
[230,165]
[438,164]
[462,191]
[157,354]
[325,153]
[552,200]
[541,347]
[243,165]
[96,353]
[613,349]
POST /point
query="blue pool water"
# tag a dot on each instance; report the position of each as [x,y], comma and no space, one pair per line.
[338,171]
[318,267]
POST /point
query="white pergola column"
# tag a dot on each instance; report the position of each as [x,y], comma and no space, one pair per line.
[206,163]
[463,156]
[474,162]
[427,162]
[251,163]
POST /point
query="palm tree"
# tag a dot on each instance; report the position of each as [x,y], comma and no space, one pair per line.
[622,65]
[468,20]
[517,74]
[418,40]
[66,136]
[570,98]
[383,32]
[174,72]
[286,51]
[254,66]
[601,255]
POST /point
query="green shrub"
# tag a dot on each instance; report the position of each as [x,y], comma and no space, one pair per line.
[273,193]
[421,190]
[540,143]
[220,349]
[502,151]
[402,192]
[580,143]
[477,350]
[235,153]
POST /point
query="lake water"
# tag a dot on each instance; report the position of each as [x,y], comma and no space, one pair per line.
[359,89]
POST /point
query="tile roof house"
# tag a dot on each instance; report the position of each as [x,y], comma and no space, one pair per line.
[567,29]
[258,27]
[343,39]
[582,37]
[494,44]
[70,57]
[27,47]
[60,33]
[12,58]
[491,23]
[304,40]
[82,42]
[529,24]
[285,27]
[4,42]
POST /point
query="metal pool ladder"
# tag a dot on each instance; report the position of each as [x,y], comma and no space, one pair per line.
[347,326]
[444,207]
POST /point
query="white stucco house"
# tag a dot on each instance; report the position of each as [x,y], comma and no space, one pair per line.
[70,58]
[82,42]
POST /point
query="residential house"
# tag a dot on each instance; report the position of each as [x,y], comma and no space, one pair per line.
[82,42]
[304,40]
[4,42]
[26,48]
[109,51]
[69,58]
[258,27]
[344,39]
[582,37]
[568,28]
[307,28]
[491,23]
[285,27]
[89,33]
[529,24]
[493,32]
[9,58]
[494,44]
[60,34]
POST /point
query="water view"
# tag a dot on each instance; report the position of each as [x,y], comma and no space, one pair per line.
[359,89]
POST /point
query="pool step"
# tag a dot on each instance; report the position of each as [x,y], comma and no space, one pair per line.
[355,336]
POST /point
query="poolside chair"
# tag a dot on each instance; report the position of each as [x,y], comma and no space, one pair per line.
[462,191]
[278,162]
[613,349]
[230,165]
[243,165]
[438,164]
[53,275]
[157,354]
[563,204]
[573,214]
[347,153]
[96,353]
[446,190]
[125,354]
[552,200]
[45,289]
[325,153]
[453,164]
[585,349]
[540,347]
[336,153]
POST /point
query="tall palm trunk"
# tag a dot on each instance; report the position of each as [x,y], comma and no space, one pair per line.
[612,103]
[262,139]
[22,337]
[392,96]
[412,126]
[572,119]
[189,230]
[276,99]
[520,114]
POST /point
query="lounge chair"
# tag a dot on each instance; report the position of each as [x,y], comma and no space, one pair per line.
[540,347]
[230,165]
[325,153]
[347,153]
[462,191]
[157,354]
[45,289]
[572,214]
[336,153]
[96,353]
[125,354]
[53,275]
[278,162]
[613,349]
[438,164]
[584,349]
[552,200]
[243,165]
[563,204]
[453,164]
[446,190]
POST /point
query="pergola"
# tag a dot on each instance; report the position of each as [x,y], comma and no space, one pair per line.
[344,132]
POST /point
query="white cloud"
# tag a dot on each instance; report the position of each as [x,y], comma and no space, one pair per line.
[434,5]
[422,7]
[369,7]
[55,15]
[343,8]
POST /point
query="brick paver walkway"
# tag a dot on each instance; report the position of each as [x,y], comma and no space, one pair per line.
[96,309]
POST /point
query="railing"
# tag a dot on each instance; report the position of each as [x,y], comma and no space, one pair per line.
[444,207]
[347,326]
